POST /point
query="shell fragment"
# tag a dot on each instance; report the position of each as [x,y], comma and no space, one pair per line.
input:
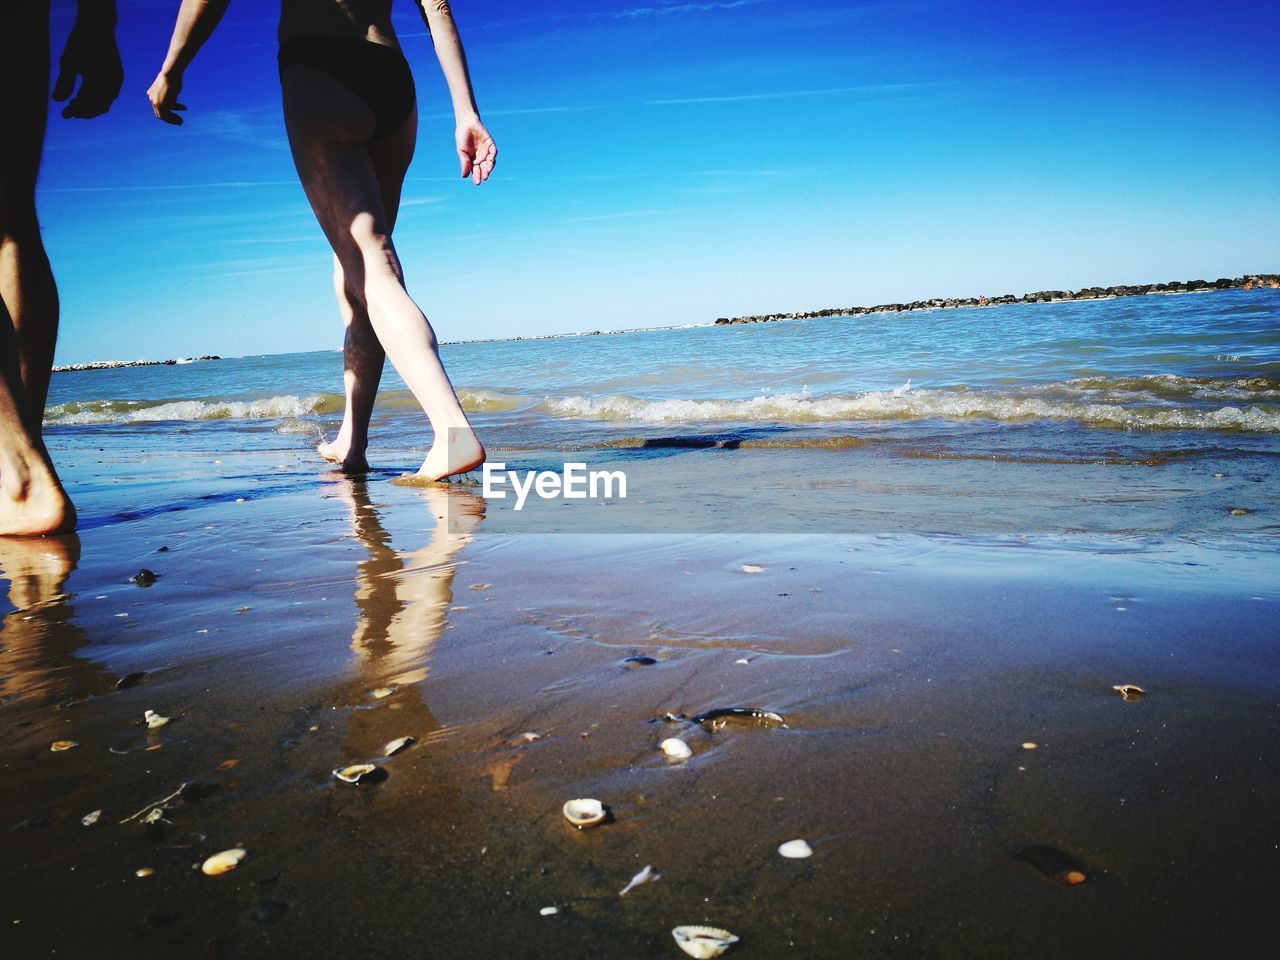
[676,749]
[359,773]
[584,812]
[644,876]
[59,745]
[703,942]
[795,850]
[222,862]
[153,720]
[395,746]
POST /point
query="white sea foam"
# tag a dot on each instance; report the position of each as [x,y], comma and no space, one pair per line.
[958,404]
[130,411]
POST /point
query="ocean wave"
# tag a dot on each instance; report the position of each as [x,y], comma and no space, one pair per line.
[287,407]
[947,404]
[141,411]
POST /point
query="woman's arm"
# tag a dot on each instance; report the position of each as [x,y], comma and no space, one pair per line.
[197,20]
[477,152]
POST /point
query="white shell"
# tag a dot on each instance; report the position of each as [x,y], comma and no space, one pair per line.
[584,812]
[382,692]
[396,745]
[355,772]
[795,850]
[703,942]
[154,719]
[676,749]
[89,819]
[548,911]
[747,568]
[222,862]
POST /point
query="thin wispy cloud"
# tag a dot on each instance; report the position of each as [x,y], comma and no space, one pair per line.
[873,89]
[620,215]
[679,8]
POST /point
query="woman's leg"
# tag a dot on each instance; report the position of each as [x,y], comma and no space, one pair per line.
[363,355]
[362,360]
[327,125]
[32,501]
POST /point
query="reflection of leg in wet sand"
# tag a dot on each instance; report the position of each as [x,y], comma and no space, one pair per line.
[38,639]
[403,600]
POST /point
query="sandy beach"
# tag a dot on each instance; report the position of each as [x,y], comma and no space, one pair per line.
[911,671]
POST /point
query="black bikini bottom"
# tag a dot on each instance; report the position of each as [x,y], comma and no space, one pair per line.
[379,75]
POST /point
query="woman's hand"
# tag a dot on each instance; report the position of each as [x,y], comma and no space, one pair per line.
[477,152]
[163,94]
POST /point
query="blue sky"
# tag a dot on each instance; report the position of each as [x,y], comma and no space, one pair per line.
[670,162]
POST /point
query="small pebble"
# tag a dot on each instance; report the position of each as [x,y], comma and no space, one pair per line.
[143,872]
[1029,745]
[1239,512]
[1074,877]
[548,911]
[382,692]
[143,578]
[752,568]
[89,819]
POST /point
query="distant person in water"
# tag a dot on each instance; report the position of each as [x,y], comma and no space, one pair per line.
[32,500]
[351,115]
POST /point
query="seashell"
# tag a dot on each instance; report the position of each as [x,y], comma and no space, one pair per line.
[1240,512]
[360,773]
[795,850]
[676,749]
[703,942]
[222,862]
[395,746]
[584,812]
[382,692]
[59,745]
[548,911]
[752,568]
[1029,745]
[722,715]
[1129,691]
[1074,877]
[143,872]
[640,660]
[154,721]
[89,819]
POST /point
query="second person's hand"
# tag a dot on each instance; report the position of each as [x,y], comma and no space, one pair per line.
[163,94]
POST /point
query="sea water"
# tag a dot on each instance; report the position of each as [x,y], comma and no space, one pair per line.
[992,419]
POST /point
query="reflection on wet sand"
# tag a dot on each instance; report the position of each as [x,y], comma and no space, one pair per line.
[402,601]
[38,639]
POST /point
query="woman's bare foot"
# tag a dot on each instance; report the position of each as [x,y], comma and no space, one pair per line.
[458,451]
[340,451]
[35,505]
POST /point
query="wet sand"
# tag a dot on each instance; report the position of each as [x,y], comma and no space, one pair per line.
[910,670]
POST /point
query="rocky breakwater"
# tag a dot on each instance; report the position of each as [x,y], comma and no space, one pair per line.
[1247,282]
[113,364]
